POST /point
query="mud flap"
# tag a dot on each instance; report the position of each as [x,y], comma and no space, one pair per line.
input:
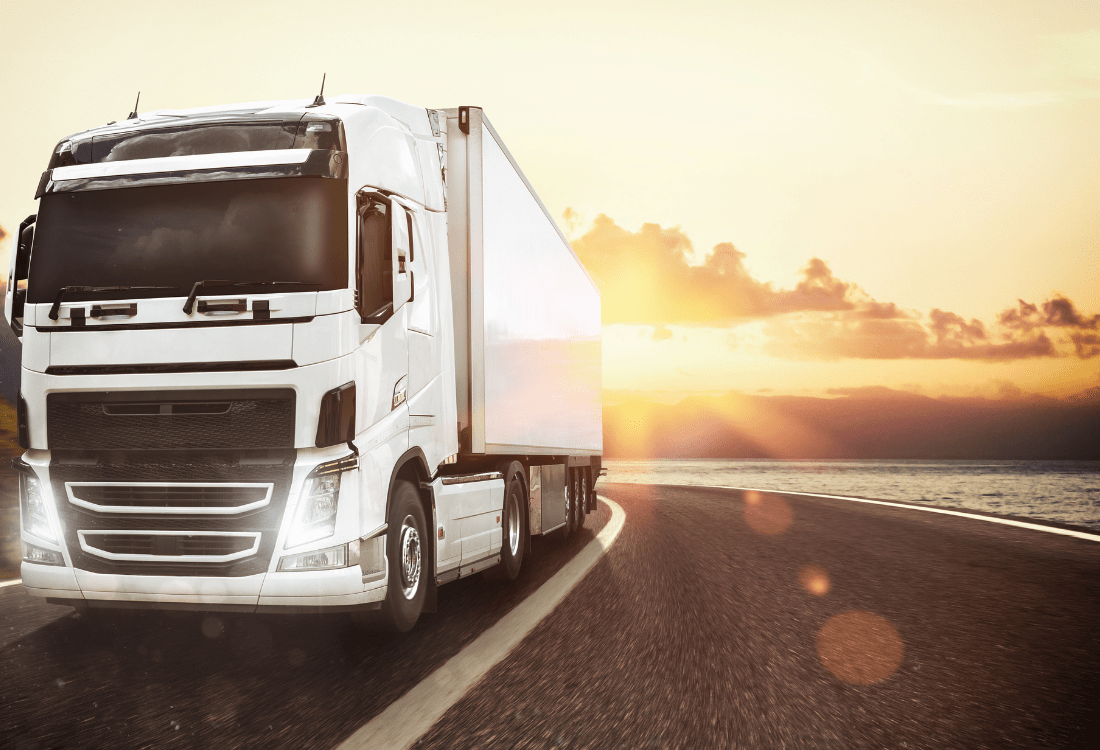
[431,605]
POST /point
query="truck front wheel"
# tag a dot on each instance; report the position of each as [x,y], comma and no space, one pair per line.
[406,548]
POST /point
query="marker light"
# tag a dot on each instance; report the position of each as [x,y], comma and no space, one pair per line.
[36,520]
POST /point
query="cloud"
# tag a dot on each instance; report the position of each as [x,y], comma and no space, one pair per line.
[645,278]
[1087,345]
[1057,312]
[573,219]
[945,336]
[661,333]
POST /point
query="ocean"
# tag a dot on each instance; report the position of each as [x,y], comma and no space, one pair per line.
[1062,491]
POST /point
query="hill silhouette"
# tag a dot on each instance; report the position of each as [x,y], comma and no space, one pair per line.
[859,424]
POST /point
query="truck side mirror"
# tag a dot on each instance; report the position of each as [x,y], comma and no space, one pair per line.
[402,256]
[15,299]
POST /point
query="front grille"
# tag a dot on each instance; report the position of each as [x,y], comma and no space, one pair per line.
[120,497]
[122,544]
[195,499]
[171,420]
[166,545]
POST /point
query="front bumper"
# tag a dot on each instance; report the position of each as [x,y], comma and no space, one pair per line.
[320,590]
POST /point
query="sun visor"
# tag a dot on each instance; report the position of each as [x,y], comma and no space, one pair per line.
[196,168]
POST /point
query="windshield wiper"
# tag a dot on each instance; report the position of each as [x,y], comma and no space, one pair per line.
[66,289]
[189,304]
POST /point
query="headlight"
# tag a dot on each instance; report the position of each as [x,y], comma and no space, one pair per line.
[315,517]
[36,519]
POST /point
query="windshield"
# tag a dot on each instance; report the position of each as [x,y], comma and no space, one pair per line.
[282,229]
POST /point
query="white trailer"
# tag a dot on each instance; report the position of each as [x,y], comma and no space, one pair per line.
[291,357]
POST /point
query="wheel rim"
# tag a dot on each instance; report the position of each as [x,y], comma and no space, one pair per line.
[410,557]
[513,523]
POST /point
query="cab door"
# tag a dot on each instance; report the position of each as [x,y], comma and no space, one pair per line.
[382,291]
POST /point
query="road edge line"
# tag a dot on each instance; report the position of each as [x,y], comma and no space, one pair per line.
[10,583]
[992,519]
[405,720]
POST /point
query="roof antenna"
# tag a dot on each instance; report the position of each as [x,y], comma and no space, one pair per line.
[133,115]
[320,100]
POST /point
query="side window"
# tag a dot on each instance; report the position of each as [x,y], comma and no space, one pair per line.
[412,242]
[374,269]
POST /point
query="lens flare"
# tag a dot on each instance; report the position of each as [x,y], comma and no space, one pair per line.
[767,514]
[860,648]
[815,580]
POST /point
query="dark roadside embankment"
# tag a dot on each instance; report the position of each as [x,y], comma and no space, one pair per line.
[10,553]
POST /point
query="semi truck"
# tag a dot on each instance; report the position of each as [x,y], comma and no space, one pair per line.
[296,356]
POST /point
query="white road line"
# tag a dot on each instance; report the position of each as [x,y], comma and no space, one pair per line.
[10,583]
[991,519]
[413,714]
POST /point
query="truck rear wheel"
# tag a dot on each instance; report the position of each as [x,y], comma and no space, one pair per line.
[406,548]
[570,504]
[582,497]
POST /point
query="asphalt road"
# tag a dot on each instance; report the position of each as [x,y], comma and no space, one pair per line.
[717,619]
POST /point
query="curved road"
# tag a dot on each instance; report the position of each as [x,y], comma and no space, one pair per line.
[718,618]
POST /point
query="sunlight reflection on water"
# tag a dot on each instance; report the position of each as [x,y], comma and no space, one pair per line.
[1063,491]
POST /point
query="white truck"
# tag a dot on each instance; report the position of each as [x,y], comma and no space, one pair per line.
[296,357]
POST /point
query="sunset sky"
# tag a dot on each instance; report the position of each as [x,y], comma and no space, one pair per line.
[799,198]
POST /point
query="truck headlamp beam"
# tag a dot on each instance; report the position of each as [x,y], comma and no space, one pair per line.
[36,519]
[315,517]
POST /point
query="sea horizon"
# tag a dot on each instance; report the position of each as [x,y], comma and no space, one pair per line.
[1062,491]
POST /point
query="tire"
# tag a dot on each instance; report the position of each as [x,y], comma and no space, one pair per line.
[406,548]
[582,497]
[570,502]
[514,532]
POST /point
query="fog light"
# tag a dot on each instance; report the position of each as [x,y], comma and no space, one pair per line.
[322,559]
[40,556]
